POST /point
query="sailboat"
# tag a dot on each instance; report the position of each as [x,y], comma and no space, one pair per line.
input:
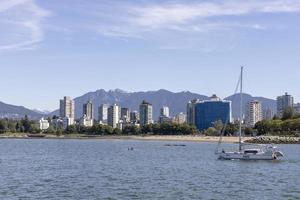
[248,151]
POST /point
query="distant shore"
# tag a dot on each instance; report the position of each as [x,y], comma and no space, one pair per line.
[178,138]
[183,138]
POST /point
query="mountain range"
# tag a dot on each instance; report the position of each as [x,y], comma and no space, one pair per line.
[175,101]
[18,112]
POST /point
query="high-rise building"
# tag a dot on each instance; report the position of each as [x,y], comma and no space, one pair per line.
[297,107]
[134,117]
[88,110]
[125,116]
[103,113]
[190,111]
[210,111]
[254,113]
[283,102]
[146,112]
[165,111]
[86,121]
[268,114]
[67,108]
[114,113]
[180,118]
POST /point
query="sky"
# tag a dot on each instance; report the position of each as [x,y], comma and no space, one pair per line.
[55,48]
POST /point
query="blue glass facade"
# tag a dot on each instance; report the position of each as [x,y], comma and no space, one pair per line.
[208,112]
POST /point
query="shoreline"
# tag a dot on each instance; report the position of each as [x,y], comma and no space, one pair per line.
[175,138]
[170,138]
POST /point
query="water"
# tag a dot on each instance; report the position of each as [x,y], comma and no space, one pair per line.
[105,169]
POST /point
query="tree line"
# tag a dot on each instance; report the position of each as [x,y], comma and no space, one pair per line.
[288,125]
[154,129]
[18,126]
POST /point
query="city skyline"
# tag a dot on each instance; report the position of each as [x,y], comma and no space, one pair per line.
[49,50]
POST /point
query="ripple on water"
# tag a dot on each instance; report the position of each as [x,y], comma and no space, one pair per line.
[85,169]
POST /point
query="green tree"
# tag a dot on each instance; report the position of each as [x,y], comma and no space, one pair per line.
[218,125]
[3,126]
[288,113]
[130,130]
[51,130]
[26,124]
[248,131]
[231,129]
[71,129]
[211,132]
[146,129]
[117,131]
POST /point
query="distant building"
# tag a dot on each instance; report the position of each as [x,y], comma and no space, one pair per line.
[210,111]
[103,113]
[163,119]
[67,109]
[268,114]
[253,113]
[125,114]
[297,107]
[114,113]
[58,123]
[88,110]
[146,113]
[284,102]
[180,118]
[134,117]
[190,111]
[44,124]
[86,121]
[165,111]
[164,115]
[68,122]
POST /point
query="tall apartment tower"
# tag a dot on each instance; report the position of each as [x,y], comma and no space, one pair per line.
[134,117]
[114,114]
[125,114]
[67,108]
[268,114]
[254,113]
[146,113]
[88,110]
[190,111]
[283,102]
[165,111]
[103,113]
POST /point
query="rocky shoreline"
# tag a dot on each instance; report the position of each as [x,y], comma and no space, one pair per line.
[274,140]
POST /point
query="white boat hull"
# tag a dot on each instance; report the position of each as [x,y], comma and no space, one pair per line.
[268,155]
[242,156]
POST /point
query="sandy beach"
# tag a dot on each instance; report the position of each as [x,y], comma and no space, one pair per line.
[183,138]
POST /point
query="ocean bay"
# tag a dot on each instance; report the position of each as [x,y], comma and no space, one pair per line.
[129,169]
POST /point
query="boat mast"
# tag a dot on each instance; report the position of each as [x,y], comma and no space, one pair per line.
[241,110]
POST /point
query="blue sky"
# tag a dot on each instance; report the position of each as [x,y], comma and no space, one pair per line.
[49,49]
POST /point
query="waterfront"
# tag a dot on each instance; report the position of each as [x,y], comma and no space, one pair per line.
[106,169]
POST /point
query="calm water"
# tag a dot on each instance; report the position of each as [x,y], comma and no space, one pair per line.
[105,169]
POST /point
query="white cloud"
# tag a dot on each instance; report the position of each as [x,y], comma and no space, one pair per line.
[203,25]
[134,21]
[21,24]
[160,16]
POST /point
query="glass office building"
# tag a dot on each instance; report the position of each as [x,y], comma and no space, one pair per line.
[209,112]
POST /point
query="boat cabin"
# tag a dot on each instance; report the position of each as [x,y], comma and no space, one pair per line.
[251,151]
